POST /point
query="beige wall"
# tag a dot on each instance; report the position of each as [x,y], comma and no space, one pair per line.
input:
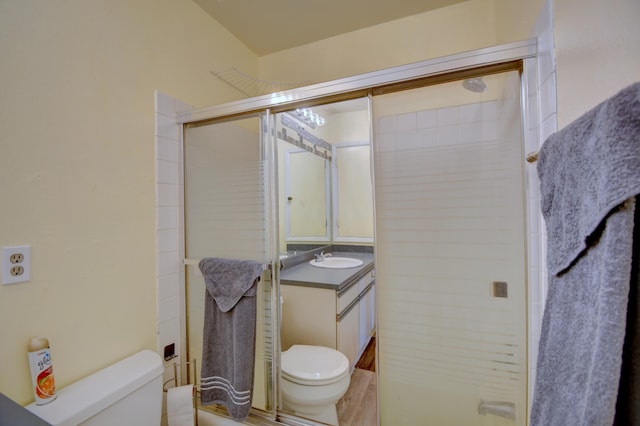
[464,26]
[77,168]
[597,52]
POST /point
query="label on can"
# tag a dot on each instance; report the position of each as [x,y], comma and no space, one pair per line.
[44,386]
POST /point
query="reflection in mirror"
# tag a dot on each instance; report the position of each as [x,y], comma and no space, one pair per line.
[324,199]
[306,196]
[352,193]
[325,196]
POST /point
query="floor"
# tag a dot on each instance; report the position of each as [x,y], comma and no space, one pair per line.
[359,405]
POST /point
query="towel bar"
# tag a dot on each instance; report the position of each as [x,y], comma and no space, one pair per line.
[196,262]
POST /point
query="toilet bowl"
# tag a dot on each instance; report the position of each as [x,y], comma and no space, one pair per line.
[314,378]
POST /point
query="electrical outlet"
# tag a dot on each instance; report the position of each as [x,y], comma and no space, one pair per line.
[16,264]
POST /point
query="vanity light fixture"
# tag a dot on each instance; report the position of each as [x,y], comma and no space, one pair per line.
[308,117]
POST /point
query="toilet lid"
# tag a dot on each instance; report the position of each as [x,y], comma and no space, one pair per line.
[313,362]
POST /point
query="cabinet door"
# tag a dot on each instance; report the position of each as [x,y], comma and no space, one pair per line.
[366,318]
[348,328]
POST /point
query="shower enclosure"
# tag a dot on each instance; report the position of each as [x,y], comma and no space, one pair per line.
[450,227]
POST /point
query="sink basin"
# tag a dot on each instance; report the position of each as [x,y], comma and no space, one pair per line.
[337,263]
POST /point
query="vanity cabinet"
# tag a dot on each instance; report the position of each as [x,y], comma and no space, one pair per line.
[343,320]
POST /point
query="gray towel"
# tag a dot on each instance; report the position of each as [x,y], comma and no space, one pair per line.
[228,348]
[589,175]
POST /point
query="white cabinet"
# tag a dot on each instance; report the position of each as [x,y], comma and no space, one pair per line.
[348,342]
[321,316]
[367,316]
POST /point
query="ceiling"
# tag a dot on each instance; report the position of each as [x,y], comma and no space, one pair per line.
[268,26]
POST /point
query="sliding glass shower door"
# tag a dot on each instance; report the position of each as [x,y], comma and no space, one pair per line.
[227,214]
[450,254]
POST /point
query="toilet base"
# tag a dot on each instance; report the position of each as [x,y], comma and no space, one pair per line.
[323,414]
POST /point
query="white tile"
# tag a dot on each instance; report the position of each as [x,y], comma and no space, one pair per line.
[385,142]
[166,172]
[534,285]
[489,130]
[546,57]
[533,245]
[166,149]
[182,107]
[406,121]
[531,141]
[406,140]
[536,318]
[490,110]
[470,113]
[531,68]
[168,309]
[167,263]
[166,218]
[470,133]
[165,104]
[168,286]
[427,137]
[166,127]
[533,110]
[426,119]
[549,126]
[532,182]
[387,124]
[167,240]
[546,65]
[548,97]
[169,329]
[166,194]
[447,116]
[448,135]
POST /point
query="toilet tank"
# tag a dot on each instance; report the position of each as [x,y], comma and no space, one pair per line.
[128,392]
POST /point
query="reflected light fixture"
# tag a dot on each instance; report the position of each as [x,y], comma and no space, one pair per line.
[308,117]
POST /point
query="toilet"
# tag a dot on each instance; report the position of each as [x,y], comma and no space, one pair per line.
[314,378]
[128,392]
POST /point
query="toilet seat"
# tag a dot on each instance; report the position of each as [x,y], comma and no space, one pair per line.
[313,365]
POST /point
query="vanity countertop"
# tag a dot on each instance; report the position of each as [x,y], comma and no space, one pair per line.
[303,274]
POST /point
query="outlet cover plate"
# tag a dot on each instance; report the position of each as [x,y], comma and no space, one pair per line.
[16,264]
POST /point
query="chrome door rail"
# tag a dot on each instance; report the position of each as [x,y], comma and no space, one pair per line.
[359,85]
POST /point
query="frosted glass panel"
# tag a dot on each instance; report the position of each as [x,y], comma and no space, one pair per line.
[450,260]
[225,216]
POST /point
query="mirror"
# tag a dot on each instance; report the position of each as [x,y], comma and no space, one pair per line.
[324,180]
[325,198]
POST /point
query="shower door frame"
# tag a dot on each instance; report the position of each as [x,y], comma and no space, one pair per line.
[510,56]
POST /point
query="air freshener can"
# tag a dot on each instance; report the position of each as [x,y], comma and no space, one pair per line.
[42,381]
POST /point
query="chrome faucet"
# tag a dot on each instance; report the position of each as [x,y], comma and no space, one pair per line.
[320,257]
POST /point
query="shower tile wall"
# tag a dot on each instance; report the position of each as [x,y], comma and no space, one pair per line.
[169,226]
[540,75]
[444,126]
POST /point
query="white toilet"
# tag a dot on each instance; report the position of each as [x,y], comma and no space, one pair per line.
[314,378]
[128,392]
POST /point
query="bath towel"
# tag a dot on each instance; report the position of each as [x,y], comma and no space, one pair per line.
[589,178]
[228,347]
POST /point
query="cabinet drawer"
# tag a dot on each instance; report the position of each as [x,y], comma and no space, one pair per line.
[348,296]
[366,280]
